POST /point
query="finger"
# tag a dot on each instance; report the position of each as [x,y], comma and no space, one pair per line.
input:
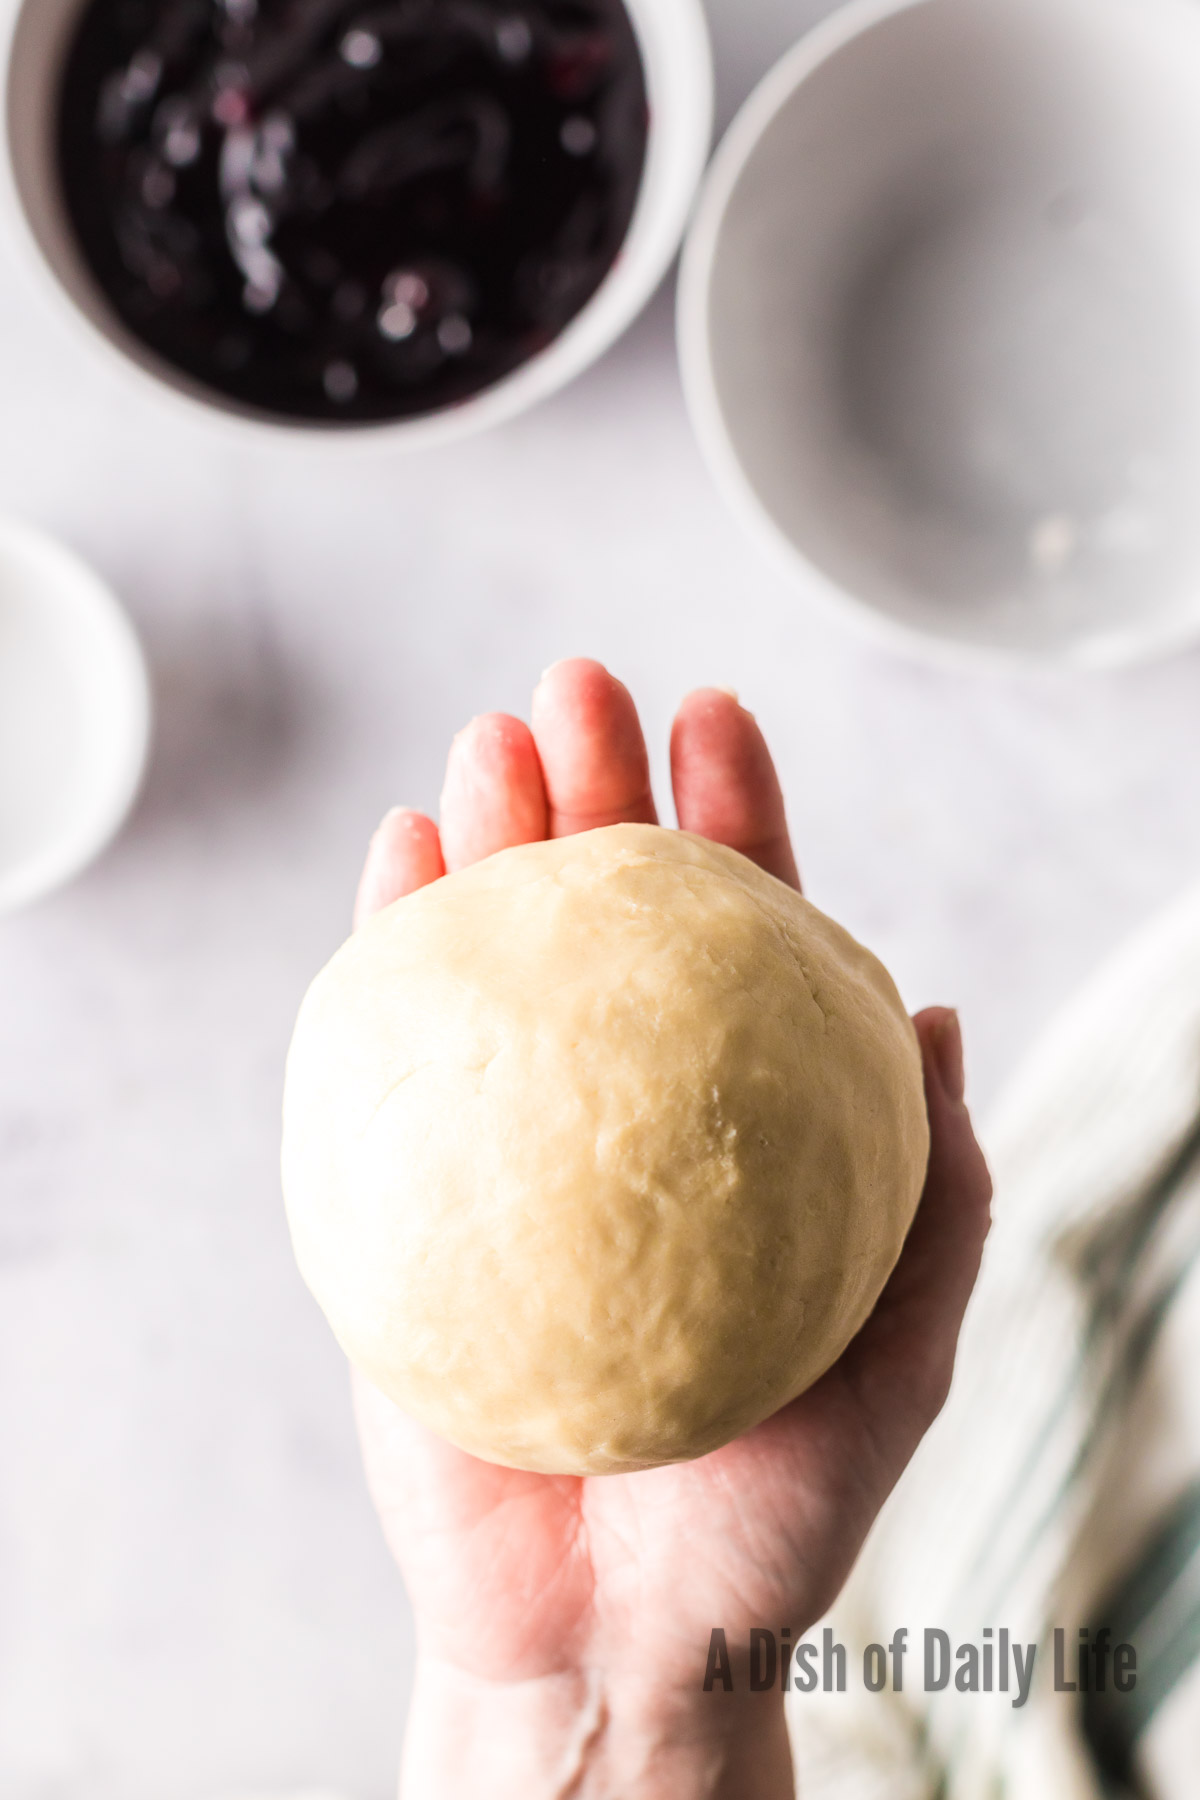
[725,783]
[494,796]
[405,854]
[904,1357]
[592,750]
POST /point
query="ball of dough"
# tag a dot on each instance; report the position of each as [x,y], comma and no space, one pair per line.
[599,1152]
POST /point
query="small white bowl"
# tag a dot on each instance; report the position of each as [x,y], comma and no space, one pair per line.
[673,38]
[74,715]
[939,323]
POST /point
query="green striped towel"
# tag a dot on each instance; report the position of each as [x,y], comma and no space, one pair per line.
[1061,1486]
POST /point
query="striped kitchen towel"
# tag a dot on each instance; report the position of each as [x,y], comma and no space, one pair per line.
[1059,1493]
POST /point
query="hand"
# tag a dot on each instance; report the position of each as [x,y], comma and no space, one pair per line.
[564,1624]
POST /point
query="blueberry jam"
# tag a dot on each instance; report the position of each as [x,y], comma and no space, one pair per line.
[339,211]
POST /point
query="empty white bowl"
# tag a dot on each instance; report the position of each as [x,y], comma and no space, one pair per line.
[673,38]
[940,322]
[74,715]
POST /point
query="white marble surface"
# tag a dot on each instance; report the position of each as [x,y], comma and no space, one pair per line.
[194,1601]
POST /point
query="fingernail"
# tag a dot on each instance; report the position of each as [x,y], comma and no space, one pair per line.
[407,816]
[733,695]
[948,1051]
[469,731]
[547,672]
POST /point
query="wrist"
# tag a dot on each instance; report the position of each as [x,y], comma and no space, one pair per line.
[582,1734]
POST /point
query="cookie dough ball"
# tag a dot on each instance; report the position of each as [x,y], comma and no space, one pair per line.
[600,1151]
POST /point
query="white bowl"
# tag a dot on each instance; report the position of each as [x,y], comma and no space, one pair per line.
[939,323]
[74,715]
[673,39]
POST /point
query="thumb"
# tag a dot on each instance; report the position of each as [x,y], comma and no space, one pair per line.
[903,1359]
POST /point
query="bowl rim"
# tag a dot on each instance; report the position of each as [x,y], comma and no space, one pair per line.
[680,91]
[1126,647]
[66,583]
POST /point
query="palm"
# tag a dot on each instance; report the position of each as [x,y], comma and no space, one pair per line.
[507,1569]
[516,1576]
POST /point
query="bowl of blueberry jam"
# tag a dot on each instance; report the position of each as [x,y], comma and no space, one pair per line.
[402,217]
